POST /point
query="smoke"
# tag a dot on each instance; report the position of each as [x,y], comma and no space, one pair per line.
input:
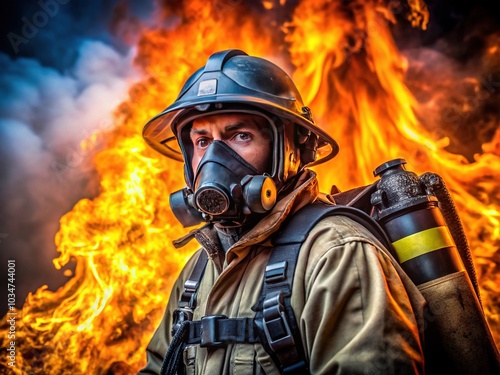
[467,114]
[44,116]
[64,67]
[454,72]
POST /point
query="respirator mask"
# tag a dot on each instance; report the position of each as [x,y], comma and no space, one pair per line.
[224,188]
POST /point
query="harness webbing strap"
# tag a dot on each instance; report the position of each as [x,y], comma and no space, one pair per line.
[187,302]
[182,318]
[279,333]
[298,227]
[188,298]
[219,330]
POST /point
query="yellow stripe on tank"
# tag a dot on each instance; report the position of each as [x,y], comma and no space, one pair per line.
[423,242]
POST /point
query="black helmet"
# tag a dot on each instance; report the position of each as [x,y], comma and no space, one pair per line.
[232,81]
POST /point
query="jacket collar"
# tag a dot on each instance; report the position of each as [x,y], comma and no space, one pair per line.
[302,193]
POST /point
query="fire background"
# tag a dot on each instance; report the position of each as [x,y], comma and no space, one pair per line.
[66,65]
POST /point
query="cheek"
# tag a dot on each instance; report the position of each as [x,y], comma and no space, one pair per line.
[195,162]
[267,162]
[261,157]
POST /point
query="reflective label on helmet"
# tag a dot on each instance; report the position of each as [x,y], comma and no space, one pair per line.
[207,87]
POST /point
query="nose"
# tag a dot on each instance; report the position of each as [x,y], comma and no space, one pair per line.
[216,135]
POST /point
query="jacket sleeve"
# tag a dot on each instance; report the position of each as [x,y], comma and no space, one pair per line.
[356,317]
[157,347]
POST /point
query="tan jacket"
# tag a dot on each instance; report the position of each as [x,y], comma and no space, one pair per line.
[357,311]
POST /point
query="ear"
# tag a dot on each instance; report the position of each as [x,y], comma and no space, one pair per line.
[308,149]
[307,142]
[301,135]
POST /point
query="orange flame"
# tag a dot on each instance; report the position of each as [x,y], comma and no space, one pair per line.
[345,63]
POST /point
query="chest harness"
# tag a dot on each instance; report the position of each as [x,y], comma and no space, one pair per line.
[274,324]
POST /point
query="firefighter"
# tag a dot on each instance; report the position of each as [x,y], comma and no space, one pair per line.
[247,140]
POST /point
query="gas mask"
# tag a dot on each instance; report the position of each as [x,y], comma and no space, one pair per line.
[225,189]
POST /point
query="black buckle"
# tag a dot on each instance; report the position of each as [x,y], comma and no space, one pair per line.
[180,316]
[188,298]
[275,272]
[209,331]
[276,328]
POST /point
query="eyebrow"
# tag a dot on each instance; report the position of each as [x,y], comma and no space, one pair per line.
[198,131]
[236,126]
[227,128]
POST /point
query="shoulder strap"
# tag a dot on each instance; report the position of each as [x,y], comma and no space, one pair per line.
[297,228]
[275,318]
[183,317]
[188,298]
[187,302]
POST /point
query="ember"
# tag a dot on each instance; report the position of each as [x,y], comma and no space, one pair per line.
[346,63]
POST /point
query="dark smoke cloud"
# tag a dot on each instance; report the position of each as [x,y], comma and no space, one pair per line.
[58,88]
[452,73]
[463,104]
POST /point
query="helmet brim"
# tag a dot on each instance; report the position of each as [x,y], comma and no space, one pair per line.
[159,132]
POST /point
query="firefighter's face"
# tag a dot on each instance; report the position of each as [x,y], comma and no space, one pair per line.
[246,134]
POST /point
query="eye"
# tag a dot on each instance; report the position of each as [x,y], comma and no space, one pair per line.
[202,142]
[243,137]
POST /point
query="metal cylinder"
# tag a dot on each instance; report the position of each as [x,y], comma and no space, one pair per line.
[435,184]
[457,339]
[415,225]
